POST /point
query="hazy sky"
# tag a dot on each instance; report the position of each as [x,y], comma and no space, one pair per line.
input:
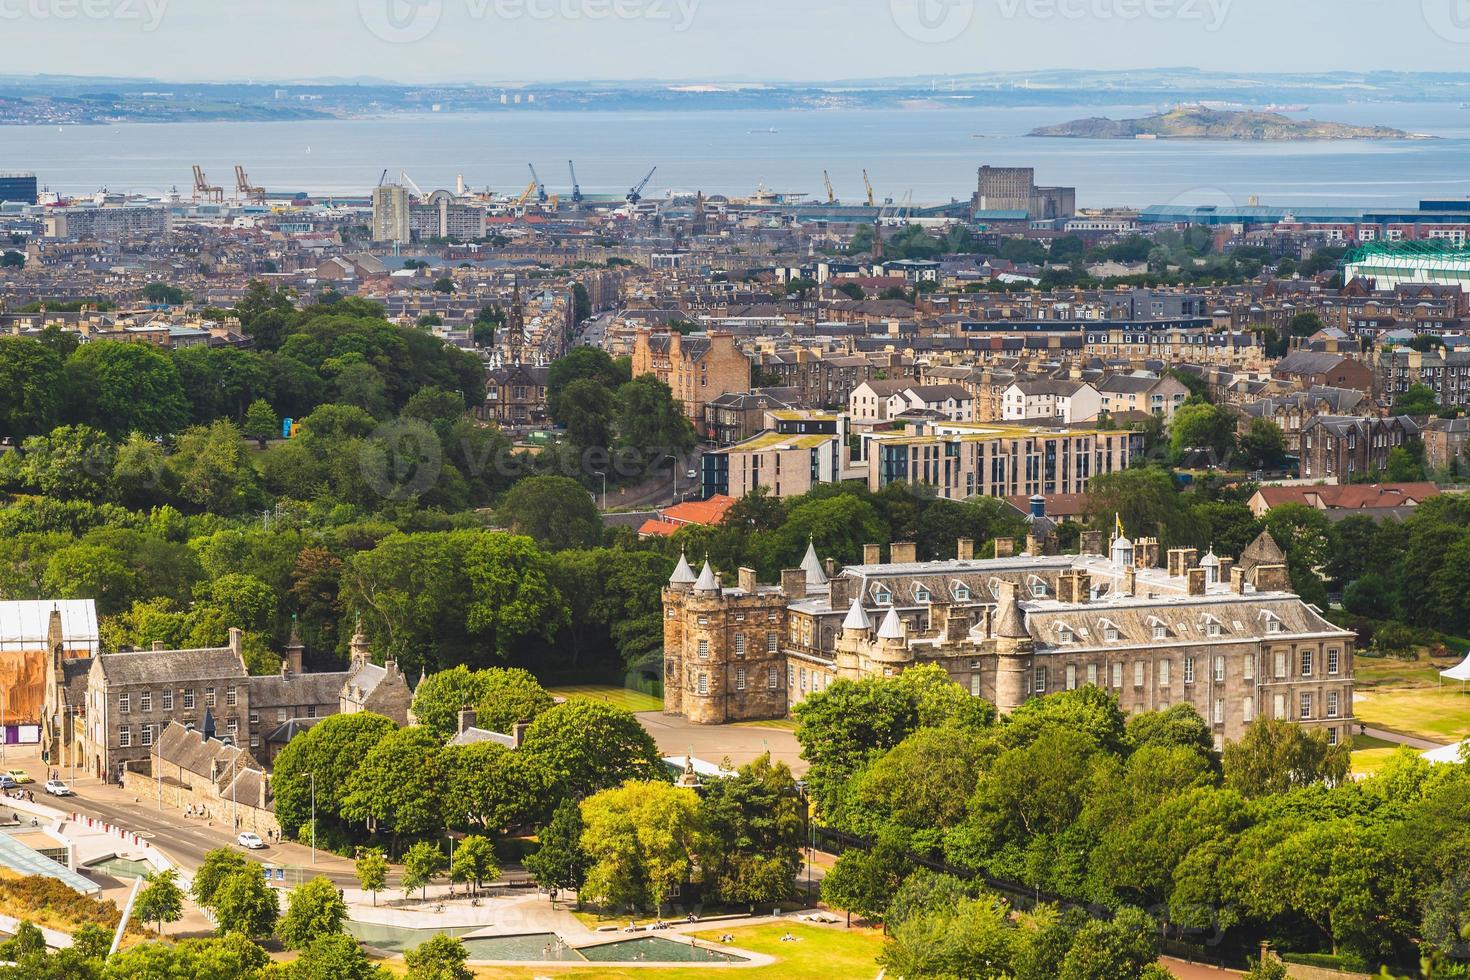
[501,40]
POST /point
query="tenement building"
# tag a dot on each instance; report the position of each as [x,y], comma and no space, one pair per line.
[1232,639]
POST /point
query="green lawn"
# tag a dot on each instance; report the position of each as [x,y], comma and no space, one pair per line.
[820,953]
[1375,672]
[1438,714]
[1369,754]
[618,696]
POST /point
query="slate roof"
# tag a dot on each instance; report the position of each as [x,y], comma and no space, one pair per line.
[289,690]
[171,666]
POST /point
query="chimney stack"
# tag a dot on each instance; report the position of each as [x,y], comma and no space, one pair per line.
[1092,543]
[965,549]
[872,554]
[839,592]
[903,553]
[1198,579]
[1005,547]
[467,719]
[793,582]
[747,580]
[1237,581]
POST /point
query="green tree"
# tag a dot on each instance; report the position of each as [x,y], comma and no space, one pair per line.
[863,882]
[218,866]
[474,862]
[1263,446]
[213,471]
[590,745]
[335,957]
[511,598]
[233,956]
[1275,756]
[581,364]
[332,749]
[441,958]
[422,864]
[971,938]
[647,418]
[585,409]
[556,511]
[1417,400]
[73,462]
[640,841]
[1125,948]
[372,871]
[560,864]
[121,387]
[161,899]
[1202,426]
[244,903]
[399,786]
[509,695]
[750,846]
[313,909]
[1145,500]
[31,387]
[261,423]
[440,697]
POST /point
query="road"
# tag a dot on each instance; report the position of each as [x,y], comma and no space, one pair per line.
[184,839]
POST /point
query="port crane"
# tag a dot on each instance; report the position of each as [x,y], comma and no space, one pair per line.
[636,193]
[202,187]
[244,190]
[526,196]
[869,185]
[576,187]
[831,194]
[541,194]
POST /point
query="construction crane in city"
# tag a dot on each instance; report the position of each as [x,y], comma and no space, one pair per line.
[244,190]
[636,193]
[418,191]
[203,188]
[576,187]
[541,194]
[526,196]
[831,194]
[869,185]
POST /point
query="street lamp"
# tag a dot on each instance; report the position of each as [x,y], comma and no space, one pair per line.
[604,490]
[676,462]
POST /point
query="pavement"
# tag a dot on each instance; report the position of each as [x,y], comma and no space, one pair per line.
[712,743]
[1398,738]
[184,839]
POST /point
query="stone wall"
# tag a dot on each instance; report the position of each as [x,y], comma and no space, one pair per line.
[178,795]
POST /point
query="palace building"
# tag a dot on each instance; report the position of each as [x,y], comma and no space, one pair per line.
[1232,639]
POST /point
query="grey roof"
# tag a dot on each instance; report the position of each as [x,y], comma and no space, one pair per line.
[816,577]
[892,628]
[857,617]
[290,690]
[708,581]
[282,734]
[165,667]
[683,574]
[1309,362]
[474,736]
[190,750]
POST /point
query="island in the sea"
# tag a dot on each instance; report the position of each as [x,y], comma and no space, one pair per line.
[1199,123]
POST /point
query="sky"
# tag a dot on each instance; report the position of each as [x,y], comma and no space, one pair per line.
[418,41]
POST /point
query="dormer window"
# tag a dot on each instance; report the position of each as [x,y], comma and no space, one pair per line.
[1038,588]
[1065,634]
[962,593]
[882,596]
[1110,632]
[921,594]
[1161,632]
[1212,626]
[1273,622]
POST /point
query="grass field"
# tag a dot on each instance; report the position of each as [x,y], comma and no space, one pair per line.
[820,953]
[1375,672]
[619,697]
[1441,715]
[1369,754]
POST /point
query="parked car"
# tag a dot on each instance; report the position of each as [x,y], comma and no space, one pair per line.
[250,841]
[57,788]
[20,776]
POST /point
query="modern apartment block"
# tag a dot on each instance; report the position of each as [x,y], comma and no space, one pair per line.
[978,460]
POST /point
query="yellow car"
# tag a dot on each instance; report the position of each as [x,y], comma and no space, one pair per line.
[19,775]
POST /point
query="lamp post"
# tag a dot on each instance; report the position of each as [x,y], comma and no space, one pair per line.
[451,861]
[675,460]
[604,490]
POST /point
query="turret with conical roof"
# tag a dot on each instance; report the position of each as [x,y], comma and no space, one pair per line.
[709,582]
[683,576]
[857,622]
[1013,651]
[816,577]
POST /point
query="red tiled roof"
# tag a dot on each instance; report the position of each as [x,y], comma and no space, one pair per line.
[1057,504]
[1354,496]
[711,511]
[656,528]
